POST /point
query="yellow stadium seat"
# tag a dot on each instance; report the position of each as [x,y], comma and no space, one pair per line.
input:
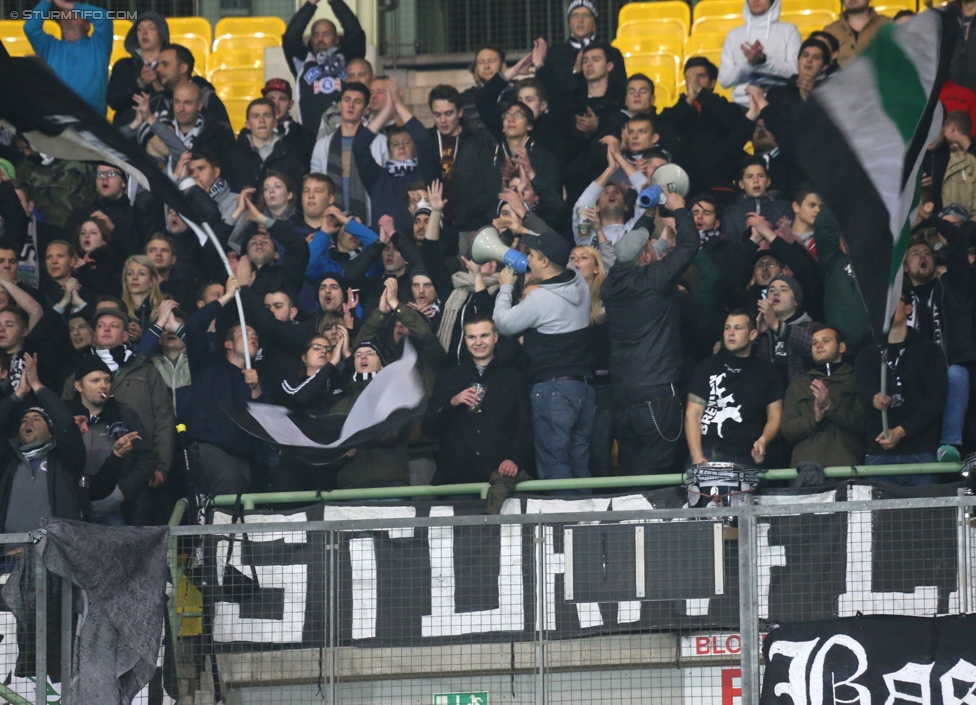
[18,46]
[120,28]
[236,110]
[235,59]
[664,97]
[252,42]
[718,8]
[702,43]
[190,26]
[245,84]
[650,44]
[118,52]
[636,28]
[809,21]
[716,25]
[663,10]
[200,49]
[890,10]
[249,26]
[794,6]
[11,28]
[663,69]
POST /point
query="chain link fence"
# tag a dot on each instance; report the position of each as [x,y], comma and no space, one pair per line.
[593,600]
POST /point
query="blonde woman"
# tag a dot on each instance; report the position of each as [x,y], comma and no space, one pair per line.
[140,293]
[588,261]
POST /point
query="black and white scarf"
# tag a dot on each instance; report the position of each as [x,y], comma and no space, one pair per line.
[115,357]
[401,167]
[218,188]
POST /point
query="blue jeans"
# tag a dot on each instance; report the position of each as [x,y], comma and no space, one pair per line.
[955,405]
[562,421]
[906,459]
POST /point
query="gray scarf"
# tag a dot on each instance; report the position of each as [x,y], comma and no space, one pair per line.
[456,302]
[358,198]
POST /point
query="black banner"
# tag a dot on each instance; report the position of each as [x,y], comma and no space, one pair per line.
[478,583]
[871,659]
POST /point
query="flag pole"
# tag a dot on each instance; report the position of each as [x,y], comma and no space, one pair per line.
[884,390]
[237,294]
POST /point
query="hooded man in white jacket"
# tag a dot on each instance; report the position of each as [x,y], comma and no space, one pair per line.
[762,47]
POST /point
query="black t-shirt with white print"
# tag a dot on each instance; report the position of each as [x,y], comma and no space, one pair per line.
[736,391]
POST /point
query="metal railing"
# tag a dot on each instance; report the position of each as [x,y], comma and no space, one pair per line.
[250,501]
[555,600]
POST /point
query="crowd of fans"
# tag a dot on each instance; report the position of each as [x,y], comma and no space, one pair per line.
[723,326]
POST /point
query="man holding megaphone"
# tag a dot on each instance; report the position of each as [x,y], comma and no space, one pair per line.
[555,322]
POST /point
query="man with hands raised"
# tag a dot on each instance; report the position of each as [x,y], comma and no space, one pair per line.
[223,459]
[41,468]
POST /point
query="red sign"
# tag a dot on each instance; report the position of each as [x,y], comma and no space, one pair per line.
[718,645]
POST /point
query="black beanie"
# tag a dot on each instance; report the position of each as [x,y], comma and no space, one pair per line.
[88,364]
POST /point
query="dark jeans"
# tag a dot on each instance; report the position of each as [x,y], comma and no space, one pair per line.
[562,421]
[601,440]
[649,434]
[215,471]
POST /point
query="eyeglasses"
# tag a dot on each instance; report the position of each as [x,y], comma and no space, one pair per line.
[365,352]
[110,174]
[766,264]
[514,115]
[318,347]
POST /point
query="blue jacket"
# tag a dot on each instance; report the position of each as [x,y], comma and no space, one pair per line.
[80,65]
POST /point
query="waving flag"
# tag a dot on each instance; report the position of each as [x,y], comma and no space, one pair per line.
[861,141]
[55,121]
[392,397]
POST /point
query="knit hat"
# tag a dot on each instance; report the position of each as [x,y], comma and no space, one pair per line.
[794,287]
[374,347]
[588,4]
[47,417]
[631,244]
[952,209]
[88,364]
[121,315]
[423,208]
[338,279]
[418,270]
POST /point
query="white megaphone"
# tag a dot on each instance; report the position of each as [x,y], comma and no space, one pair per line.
[672,179]
[487,246]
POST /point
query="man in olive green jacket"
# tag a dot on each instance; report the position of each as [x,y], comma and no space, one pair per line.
[822,416]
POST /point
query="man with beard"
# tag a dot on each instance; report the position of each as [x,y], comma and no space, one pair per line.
[43,466]
[175,67]
[172,364]
[319,67]
[855,28]
[940,314]
[608,199]
[735,400]
[118,463]
[822,417]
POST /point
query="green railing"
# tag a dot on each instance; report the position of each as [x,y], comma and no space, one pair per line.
[250,501]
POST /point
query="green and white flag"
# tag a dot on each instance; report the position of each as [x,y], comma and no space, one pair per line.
[862,136]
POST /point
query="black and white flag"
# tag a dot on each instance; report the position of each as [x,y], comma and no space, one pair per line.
[394,395]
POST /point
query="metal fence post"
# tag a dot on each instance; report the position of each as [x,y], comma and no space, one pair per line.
[332,543]
[962,560]
[40,629]
[749,606]
[67,642]
[540,612]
